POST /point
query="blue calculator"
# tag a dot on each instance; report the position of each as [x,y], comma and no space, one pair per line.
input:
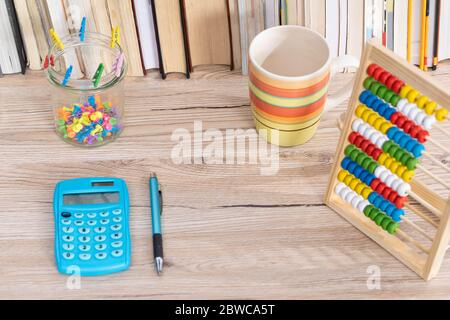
[92,235]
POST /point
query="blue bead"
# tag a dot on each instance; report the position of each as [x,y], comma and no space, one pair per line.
[382,108]
[390,210]
[404,141]
[376,105]
[411,144]
[389,113]
[351,168]
[372,197]
[391,132]
[378,201]
[369,179]
[384,205]
[417,150]
[363,96]
[397,215]
[363,175]
[398,136]
[358,171]
[371,100]
[345,163]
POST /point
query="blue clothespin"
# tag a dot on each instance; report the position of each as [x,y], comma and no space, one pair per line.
[83,29]
[67,76]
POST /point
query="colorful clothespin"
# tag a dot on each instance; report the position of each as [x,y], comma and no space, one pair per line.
[56,39]
[67,76]
[83,29]
[98,74]
[48,61]
[115,37]
[119,64]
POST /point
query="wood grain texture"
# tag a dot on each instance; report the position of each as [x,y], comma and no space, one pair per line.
[229,232]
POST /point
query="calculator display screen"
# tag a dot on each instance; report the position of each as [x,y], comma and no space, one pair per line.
[91,198]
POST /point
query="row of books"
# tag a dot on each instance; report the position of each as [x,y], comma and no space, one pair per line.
[178,35]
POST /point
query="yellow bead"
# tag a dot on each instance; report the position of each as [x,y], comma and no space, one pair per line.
[422,101]
[372,118]
[359,188]
[348,179]
[377,124]
[354,183]
[385,127]
[341,175]
[404,91]
[394,166]
[441,114]
[408,175]
[401,170]
[430,108]
[413,95]
[366,193]
[388,162]
[382,159]
[365,115]
[360,110]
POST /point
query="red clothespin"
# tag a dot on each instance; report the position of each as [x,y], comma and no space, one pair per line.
[46,62]
[52,60]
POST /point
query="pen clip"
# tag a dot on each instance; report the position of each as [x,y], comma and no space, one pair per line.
[160,201]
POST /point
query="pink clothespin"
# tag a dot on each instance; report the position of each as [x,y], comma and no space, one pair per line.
[119,64]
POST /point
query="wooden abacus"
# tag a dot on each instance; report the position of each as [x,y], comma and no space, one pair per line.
[390,113]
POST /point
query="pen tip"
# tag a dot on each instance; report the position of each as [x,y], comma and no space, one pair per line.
[159,265]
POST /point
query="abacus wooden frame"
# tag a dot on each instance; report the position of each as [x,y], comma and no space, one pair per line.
[426,267]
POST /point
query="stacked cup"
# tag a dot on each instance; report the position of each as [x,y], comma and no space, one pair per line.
[289,74]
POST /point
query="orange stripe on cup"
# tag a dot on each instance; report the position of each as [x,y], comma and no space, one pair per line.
[288,93]
[288,120]
[288,112]
[289,85]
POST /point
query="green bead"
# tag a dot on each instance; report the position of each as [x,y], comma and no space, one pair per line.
[349,149]
[368,209]
[405,158]
[392,227]
[372,167]
[388,95]
[394,100]
[113,121]
[386,223]
[354,155]
[374,214]
[387,145]
[399,154]
[393,149]
[366,163]
[382,91]
[379,219]
[361,157]
[412,163]
[368,82]
[374,87]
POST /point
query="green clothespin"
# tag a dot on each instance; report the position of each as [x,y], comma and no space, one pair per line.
[98,75]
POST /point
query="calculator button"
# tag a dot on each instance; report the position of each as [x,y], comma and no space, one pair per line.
[85,256]
[116,227]
[79,223]
[66,214]
[91,223]
[84,230]
[101,247]
[84,248]
[101,255]
[117,253]
[116,236]
[68,230]
[117,244]
[117,212]
[68,255]
[66,222]
[79,215]
[67,238]
[100,238]
[117,219]
[91,215]
[104,221]
[104,214]
[100,230]
[84,239]
[68,246]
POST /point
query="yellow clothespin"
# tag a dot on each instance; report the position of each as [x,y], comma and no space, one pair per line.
[115,36]
[56,39]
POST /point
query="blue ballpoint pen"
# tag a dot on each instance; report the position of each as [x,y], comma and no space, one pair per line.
[156,206]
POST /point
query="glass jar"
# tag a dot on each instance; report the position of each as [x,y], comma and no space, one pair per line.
[87,114]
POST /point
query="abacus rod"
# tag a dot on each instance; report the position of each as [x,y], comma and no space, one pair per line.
[436,161]
[435,177]
[413,241]
[439,145]
[442,130]
[422,215]
[419,229]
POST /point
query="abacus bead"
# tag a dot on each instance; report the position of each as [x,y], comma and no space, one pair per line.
[366,192]
[385,175]
[412,163]
[392,228]
[390,210]
[395,166]
[441,114]
[379,219]
[388,95]
[352,136]
[349,149]
[402,103]
[374,87]
[374,213]
[384,205]
[383,108]
[372,167]
[368,180]
[385,127]
[388,162]
[413,95]
[379,171]
[339,188]
[420,117]
[372,68]
[367,210]
[408,175]
[363,96]
[368,82]
[359,188]
[358,171]
[365,164]
[395,116]
[342,175]
[376,154]
[351,167]
[390,81]
[400,202]
[360,110]
[382,158]
[372,197]
[422,136]
[429,122]
[345,163]
[353,184]
[356,124]
[380,141]
[344,192]
[390,181]
[389,112]
[404,91]
[397,86]
[392,132]
[386,223]
[378,201]
[363,205]
[382,91]
[356,201]
[370,100]
[384,76]
[430,108]
[403,141]
[377,73]
[418,149]
[349,197]
[397,215]
[422,101]
[410,146]
[396,184]
[394,100]
[403,190]
[372,118]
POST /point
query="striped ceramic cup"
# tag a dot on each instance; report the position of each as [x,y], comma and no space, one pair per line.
[289,73]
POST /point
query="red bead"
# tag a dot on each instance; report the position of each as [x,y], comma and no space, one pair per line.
[397,86]
[365,144]
[422,136]
[375,183]
[370,148]
[358,141]
[414,131]
[376,154]
[393,196]
[387,193]
[400,202]
[391,82]
[395,116]
[377,73]
[380,188]
[371,69]
[401,121]
[384,76]
[408,126]
[352,137]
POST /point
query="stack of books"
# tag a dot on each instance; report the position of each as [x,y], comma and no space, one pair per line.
[176,36]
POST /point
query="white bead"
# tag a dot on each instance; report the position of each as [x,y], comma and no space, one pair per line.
[402,103]
[397,183]
[385,175]
[344,192]
[349,197]
[362,205]
[413,113]
[356,201]
[356,124]
[379,171]
[420,117]
[390,181]
[407,109]
[404,190]
[339,188]
[429,122]
[380,142]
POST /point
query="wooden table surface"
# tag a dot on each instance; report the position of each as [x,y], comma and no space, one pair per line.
[230,232]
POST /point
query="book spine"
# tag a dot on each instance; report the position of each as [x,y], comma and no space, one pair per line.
[17,35]
[187,51]
[158,41]
[138,38]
